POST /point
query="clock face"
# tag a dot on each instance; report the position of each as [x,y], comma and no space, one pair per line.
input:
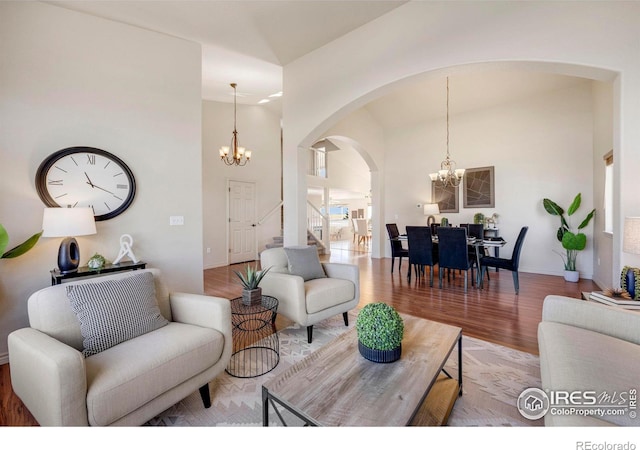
[86,177]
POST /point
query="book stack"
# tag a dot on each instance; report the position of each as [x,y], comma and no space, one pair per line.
[601,297]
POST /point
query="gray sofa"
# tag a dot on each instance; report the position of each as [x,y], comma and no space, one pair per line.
[587,346]
[130,382]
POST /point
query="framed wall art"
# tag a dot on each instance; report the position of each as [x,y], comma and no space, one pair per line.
[445,197]
[479,188]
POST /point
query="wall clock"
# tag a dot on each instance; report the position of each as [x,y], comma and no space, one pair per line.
[86,177]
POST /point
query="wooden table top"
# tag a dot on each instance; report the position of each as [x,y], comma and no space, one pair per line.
[336,386]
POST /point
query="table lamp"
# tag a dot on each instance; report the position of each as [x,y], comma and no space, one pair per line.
[631,244]
[431,210]
[67,223]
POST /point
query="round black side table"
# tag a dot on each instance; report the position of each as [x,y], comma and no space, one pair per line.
[256,347]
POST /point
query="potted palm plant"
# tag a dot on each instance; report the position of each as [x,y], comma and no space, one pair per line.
[572,241]
[18,250]
[380,331]
[250,280]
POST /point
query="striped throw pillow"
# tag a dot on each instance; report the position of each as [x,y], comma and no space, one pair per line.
[114,311]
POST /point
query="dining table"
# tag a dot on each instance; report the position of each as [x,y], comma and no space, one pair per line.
[478,244]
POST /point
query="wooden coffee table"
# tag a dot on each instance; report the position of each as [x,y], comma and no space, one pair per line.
[336,386]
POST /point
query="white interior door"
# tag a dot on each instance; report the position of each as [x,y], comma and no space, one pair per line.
[242,222]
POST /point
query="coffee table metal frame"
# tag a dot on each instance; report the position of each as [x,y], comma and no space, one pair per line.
[271,398]
[256,346]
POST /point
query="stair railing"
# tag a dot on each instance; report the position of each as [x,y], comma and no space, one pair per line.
[270,213]
[318,225]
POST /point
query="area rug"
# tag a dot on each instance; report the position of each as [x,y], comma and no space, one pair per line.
[494,377]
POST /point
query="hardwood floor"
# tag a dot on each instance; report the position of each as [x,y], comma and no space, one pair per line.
[493,314]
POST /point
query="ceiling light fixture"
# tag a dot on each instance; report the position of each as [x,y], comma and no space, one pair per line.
[448,174]
[239,156]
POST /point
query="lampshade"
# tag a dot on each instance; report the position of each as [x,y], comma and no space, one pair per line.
[631,236]
[431,209]
[67,223]
[63,222]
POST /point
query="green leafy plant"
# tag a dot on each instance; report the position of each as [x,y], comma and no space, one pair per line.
[18,250]
[572,241]
[379,326]
[97,261]
[478,218]
[251,277]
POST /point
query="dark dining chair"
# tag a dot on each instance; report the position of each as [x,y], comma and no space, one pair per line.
[504,263]
[434,229]
[453,252]
[397,251]
[421,252]
[476,230]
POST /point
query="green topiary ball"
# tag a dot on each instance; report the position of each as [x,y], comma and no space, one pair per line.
[379,326]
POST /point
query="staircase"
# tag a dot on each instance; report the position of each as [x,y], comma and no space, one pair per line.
[311,240]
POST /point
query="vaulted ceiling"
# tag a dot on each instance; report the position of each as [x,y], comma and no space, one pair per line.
[248,42]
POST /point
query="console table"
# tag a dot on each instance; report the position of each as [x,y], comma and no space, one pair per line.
[84,271]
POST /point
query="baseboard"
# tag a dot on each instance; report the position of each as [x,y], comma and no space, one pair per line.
[4,358]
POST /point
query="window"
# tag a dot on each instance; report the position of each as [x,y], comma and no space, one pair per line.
[318,162]
[337,212]
[608,192]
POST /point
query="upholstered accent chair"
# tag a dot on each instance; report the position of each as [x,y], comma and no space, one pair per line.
[117,349]
[309,291]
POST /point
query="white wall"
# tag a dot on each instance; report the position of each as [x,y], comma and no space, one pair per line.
[540,147]
[347,170]
[400,45]
[69,79]
[258,130]
[602,144]
[362,133]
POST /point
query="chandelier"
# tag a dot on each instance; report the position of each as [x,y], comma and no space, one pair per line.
[234,155]
[448,174]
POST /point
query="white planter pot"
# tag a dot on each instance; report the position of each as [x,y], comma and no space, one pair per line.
[572,275]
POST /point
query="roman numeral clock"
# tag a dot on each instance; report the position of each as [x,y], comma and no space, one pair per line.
[86,177]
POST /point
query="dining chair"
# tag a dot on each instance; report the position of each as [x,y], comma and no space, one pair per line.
[476,230]
[397,251]
[362,231]
[453,252]
[504,263]
[421,252]
[434,229]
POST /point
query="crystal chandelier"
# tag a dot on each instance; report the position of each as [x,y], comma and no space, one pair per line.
[239,156]
[448,174]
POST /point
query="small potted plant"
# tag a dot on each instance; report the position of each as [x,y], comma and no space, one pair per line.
[96,262]
[478,218]
[250,279]
[380,331]
[572,241]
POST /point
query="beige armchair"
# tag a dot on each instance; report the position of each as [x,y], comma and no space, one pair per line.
[311,301]
[130,382]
